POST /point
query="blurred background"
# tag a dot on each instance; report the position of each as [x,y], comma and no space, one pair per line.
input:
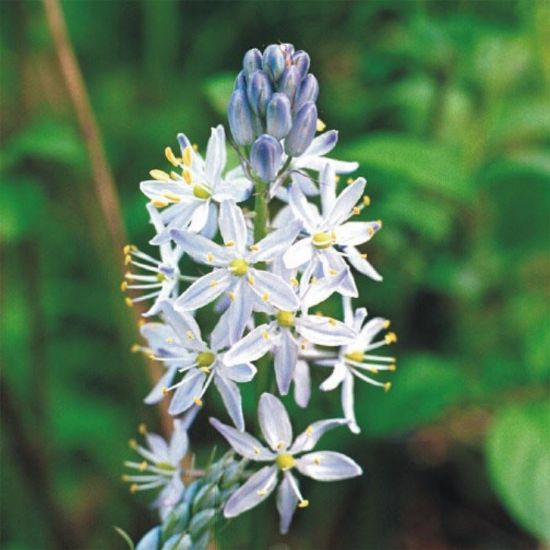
[445,104]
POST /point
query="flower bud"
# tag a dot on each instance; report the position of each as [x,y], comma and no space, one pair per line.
[240,82]
[259,92]
[308,91]
[301,60]
[287,49]
[273,61]
[279,116]
[252,61]
[290,81]
[265,157]
[240,118]
[302,131]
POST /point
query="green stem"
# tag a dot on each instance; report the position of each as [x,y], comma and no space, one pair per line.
[261,209]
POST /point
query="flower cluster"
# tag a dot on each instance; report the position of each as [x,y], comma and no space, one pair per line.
[263,266]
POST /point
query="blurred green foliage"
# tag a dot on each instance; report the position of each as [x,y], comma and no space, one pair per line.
[445,104]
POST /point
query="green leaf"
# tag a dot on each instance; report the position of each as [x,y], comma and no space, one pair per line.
[218,90]
[423,388]
[433,167]
[519,464]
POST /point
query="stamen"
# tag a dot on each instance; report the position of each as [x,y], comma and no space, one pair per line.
[320,125]
[187,156]
[172,159]
[159,175]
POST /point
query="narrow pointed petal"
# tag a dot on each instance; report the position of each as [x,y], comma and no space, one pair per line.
[334,263]
[345,202]
[310,437]
[239,312]
[179,442]
[287,501]
[298,254]
[355,233]
[336,377]
[322,289]
[243,444]
[327,186]
[204,290]
[216,154]
[323,144]
[276,242]
[253,346]
[273,290]
[328,466]
[158,446]
[240,373]
[184,326]
[348,401]
[232,224]
[201,249]
[362,265]
[286,355]
[274,422]
[255,490]
[157,393]
[302,384]
[231,397]
[370,330]
[324,330]
[187,392]
[302,209]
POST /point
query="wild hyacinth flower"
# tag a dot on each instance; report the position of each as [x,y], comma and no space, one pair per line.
[283,456]
[354,359]
[234,272]
[159,466]
[189,196]
[330,236]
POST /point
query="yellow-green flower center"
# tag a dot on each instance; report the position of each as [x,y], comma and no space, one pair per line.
[356,356]
[285,318]
[323,239]
[169,468]
[285,461]
[201,193]
[238,267]
[161,277]
[205,359]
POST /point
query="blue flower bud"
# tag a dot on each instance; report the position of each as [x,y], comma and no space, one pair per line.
[240,118]
[308,91]
[279,116]
[288,49]
[273,61]
[290,81]
[301,60]
[265,157]
[240,82]
[252,61]
[303,130]
[259,92]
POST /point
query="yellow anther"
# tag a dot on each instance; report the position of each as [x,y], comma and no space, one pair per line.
[319,313]
[387,386]
[380,223]
[135,348]
[349,181]
[322,240]
[332,272]
[337,179]
[239,267]
[172,159]
[285,461]
[141,322]
[206,370]
[201,192]
[174,176]
[254,248]
[205,358]
[151,356]
[265,296]
[364,256]
[214,283]
[159,203]
[129,248]
[386,324]
[125,477]
[198,402]
[313,280]
[356,210]
[251,280]
[190,335]
[230,243]
[392,367]
[143,466]
[142,428]
[172,196]
[232,295]
[256,450]
[261,493]
[187,178]
[281,445]
[165,390]
[303,346]
[127,259]
[285,318]
[317,460]
[187,156]
[169,340]
[390,338]
[195,147]
[160,175]
[366,200]
[309,430]
[210,257]
[265,334]
[124,286]
[294,281]
[373,370]
[134,488]
[356,356]
[128,301]
[133,444]
[303,503]
[320,125]
[332,322]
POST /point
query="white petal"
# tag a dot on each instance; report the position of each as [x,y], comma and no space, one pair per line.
[310,437]
[274,422]
[302,384]
[216,155]
[287,501]
[243,443]
[328,466]
[362,265]
[370,330]
[239,312]
[327,185]
[179,442]
[187,392]
[232,224]
[231,397]
[201,249]
[200,217]
[276,242]
[355,233]
[204,290]
[255,490]
[324,330]
[334,263]
[157,393]
[184,326]
[303,210]
[322,289]
[345,202]
[158,446]
[253,346]
[298,254]
[336,377]
[286,355]
[240,373]
[273,290]
[323,144]
[348,402]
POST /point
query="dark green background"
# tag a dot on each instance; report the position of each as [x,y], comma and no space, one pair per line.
[445,104]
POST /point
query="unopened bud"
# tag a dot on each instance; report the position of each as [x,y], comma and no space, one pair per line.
[290,81]
[259,92]
[273,61]
[308,91]
[265,157]
[301,60]
[240,119]
[240,82]
[303,130]
[252,61]
[279,116]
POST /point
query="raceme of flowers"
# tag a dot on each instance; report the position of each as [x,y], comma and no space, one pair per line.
[257,246]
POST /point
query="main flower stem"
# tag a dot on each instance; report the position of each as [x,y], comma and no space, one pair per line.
[261,209]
